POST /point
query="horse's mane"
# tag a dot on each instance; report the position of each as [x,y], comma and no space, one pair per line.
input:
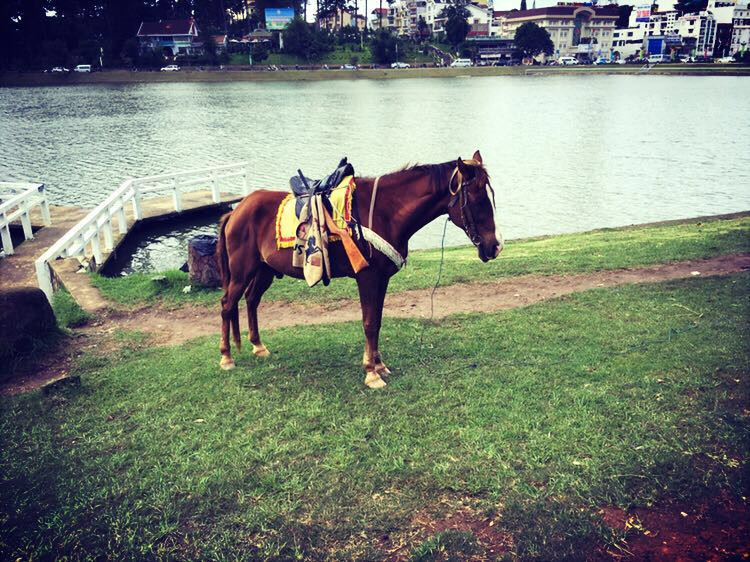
[436,171]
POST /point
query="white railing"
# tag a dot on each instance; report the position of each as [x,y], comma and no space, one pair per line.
[16,202]
[97,226]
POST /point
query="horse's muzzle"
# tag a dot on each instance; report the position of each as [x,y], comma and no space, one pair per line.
[489,253]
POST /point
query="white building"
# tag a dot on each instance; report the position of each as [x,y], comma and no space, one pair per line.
[694,32]
[741,30]
[404,15]
[628,41]
[575,29]
[432,15]
[700,28]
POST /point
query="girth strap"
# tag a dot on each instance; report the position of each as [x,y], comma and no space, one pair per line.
[382,245]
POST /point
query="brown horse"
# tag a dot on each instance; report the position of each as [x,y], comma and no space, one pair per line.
[405,201]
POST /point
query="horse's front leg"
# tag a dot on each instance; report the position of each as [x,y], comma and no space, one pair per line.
[372,288]
[260,284]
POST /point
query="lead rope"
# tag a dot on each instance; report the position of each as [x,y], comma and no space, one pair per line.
[372,208]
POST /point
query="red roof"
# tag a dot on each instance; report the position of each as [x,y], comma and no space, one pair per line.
[168,27]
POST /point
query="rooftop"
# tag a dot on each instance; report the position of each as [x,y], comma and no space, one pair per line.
[168,27]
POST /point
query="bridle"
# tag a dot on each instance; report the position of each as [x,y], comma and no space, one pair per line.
[459,195]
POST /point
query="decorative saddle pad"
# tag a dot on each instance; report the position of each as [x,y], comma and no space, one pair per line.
[287,220]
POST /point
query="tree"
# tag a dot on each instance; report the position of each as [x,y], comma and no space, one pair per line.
[297,37]
[130,51]
[260,52]
[384,47]
[348,35]
[532,40]
[209,48]
[623,16]
[301,40]
[423,30]
[690,6]
[456,24]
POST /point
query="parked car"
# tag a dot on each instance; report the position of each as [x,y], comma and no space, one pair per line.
[460,63]
[82,68]
[656,59]
[725,60]
[398,64]
[60,69]
[170,68]
[702,58]
[620,61]
[567,61]
[348,67]
[602,60]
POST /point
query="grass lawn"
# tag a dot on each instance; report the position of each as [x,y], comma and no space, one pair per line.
[340,55]
[570,253]
[534,417]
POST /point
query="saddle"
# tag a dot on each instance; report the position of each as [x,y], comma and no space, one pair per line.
[303,187]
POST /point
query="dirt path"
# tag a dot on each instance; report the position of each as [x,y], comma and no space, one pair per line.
[170,327]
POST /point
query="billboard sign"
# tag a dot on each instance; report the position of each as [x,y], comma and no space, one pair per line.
[278,18]
[643,12]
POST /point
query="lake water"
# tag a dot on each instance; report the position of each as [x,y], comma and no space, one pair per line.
[566,153]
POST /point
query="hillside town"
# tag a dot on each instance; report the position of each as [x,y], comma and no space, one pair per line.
[425,32]
[586,30]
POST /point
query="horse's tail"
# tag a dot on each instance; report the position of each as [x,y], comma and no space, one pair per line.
[226,276]
[221,249]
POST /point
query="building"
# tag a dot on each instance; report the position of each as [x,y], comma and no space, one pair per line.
[342,18]
[433,15]
[740,29]
[480,20]
[628,41]
[172,37]
[698,31]
[492,49]
[403,16]
[221,42]
[377,16]
[577,30]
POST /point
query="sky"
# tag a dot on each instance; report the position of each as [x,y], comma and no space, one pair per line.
[500,4]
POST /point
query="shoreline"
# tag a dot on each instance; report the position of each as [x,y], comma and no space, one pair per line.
[28,79]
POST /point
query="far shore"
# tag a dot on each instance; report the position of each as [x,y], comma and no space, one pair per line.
[21,79]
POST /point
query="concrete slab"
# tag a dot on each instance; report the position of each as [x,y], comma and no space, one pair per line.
[17,270]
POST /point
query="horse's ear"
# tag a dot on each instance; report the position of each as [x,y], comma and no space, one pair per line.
[477,157]
[463,168]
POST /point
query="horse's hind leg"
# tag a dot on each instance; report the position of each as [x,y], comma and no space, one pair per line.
[260,284]
[229,315]
[243,269]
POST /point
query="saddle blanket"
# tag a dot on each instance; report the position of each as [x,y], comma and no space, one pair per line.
[287,221]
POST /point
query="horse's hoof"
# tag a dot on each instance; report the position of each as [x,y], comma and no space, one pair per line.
[226,363]
[373,380]
[261,351]
[383,371]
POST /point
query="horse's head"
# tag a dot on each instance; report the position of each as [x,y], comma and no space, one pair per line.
[472,206]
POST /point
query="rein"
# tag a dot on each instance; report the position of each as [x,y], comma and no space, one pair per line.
[459,195]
